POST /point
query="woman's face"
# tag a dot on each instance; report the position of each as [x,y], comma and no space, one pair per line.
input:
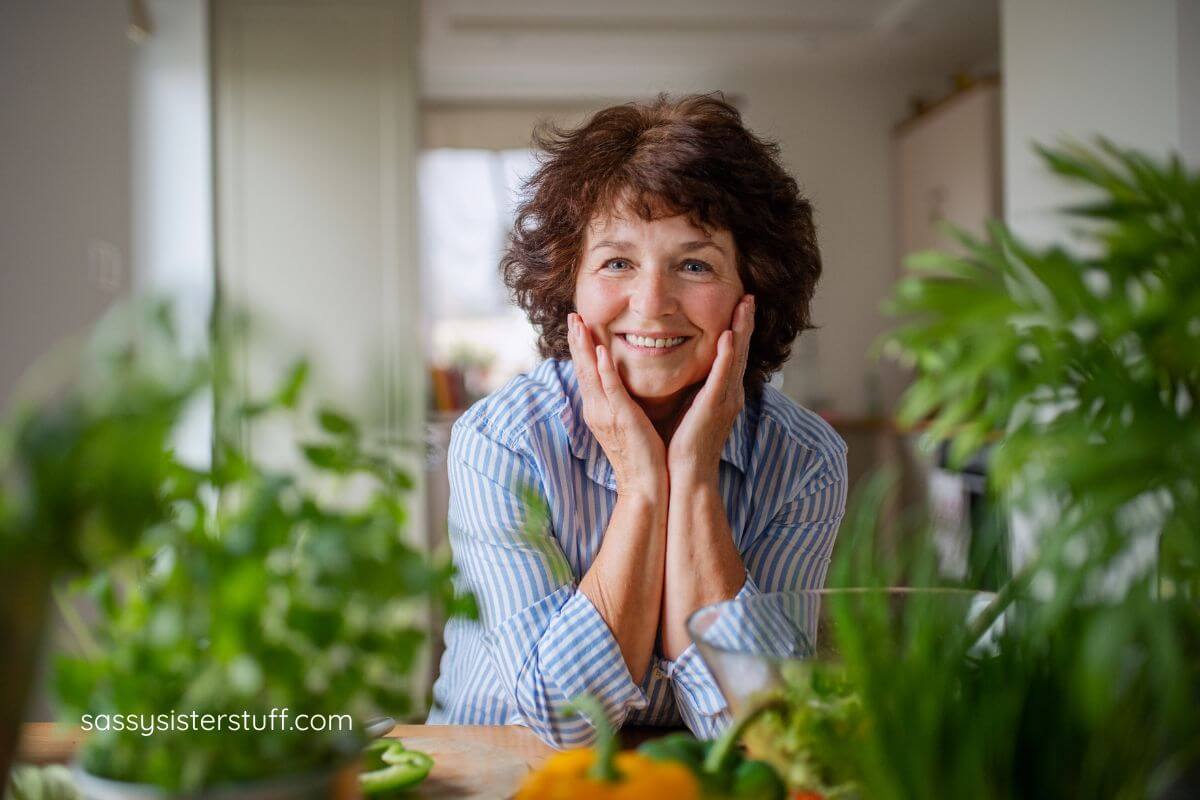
[658,294]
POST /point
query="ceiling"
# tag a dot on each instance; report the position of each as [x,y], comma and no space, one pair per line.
[574,49]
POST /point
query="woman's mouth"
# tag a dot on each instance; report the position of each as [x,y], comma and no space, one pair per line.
[653,345]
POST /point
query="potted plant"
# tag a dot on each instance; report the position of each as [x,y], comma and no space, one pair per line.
[84,450]
[1086,357]
[259,619]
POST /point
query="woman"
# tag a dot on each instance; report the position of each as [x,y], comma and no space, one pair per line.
[668,261]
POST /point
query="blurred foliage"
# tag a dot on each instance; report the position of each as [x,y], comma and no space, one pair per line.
[1066,697]
[82,462]
[1082,365]
[1085,360]
[84,451]
[229,588]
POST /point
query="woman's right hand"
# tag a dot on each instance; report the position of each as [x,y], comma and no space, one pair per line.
[634,448]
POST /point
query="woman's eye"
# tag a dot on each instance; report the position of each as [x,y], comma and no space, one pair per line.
[695,267]
[617,265]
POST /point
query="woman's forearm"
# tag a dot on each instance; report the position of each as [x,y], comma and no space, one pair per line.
[625,581]
[702,564]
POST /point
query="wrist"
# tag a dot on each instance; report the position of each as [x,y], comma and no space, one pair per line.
[690,476]
[644,490]
[645,494]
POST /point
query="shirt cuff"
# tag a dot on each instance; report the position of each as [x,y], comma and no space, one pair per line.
[691,676]
[580,654]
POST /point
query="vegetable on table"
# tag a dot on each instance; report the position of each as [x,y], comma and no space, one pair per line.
[720,768]
[51,782]
[677,763]
[389,767]
[603,772]
[805,728]
[673,767]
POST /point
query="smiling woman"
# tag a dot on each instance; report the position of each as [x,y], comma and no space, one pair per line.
[668,262]
[659,294]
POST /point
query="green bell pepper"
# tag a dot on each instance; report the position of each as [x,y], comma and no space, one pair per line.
[757,780]
[720,767]
[388,766]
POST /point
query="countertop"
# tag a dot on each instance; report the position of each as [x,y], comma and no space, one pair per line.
[470,761]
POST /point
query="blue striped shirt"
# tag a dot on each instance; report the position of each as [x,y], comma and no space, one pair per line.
[539,641]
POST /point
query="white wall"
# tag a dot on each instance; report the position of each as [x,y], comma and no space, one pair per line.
[836,139]
[170,139]
[64,173]
[1188,46]
[170,118]
[316,182]
[1076,68]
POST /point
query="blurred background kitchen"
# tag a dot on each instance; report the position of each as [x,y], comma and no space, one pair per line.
[348,169]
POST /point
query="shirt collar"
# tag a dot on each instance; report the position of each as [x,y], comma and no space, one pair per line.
[587,449]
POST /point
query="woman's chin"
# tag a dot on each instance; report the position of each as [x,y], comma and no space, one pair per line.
[655,396]
[657,393]
[659,386]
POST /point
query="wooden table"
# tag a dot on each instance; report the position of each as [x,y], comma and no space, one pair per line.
[470,761]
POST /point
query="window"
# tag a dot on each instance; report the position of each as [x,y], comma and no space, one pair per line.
[478,339]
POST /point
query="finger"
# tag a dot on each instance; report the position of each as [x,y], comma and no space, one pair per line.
[585,335]
[743,330]
[691,400]
[584,356]
[610,379]
[715,385]
[719,377]
[595,405]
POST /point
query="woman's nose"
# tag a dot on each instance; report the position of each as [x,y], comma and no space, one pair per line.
[653,295]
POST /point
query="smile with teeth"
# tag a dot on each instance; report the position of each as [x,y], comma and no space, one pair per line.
[646,341]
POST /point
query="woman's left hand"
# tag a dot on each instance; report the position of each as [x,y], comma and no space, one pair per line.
[694,453]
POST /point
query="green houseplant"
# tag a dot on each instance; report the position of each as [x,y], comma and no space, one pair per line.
[1087,359]
[252,599]
[84,450]
[1085,362]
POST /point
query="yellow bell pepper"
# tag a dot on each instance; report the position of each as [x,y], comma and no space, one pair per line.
[567,776]
[604,774]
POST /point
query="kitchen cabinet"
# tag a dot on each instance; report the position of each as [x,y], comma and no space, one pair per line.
[948,164]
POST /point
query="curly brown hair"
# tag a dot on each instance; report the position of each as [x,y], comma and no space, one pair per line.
[693,156]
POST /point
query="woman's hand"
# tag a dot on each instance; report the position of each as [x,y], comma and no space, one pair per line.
[695,450]
[626,575]
[633,447]
[702,564]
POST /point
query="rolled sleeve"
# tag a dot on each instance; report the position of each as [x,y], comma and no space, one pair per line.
[545,639]
[699,700]
[792,554]
[555,651]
